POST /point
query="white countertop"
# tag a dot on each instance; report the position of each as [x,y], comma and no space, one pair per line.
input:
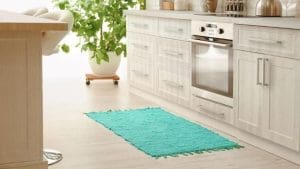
[280,22]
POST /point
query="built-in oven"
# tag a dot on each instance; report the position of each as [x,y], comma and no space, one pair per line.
[212,59]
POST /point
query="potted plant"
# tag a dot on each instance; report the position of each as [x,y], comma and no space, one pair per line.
[101,27]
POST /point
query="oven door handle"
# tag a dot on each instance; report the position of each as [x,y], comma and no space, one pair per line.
[225,45]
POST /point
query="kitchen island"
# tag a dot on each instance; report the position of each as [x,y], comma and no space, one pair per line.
[21,104]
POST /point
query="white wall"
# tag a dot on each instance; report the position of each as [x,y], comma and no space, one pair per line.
[21,5]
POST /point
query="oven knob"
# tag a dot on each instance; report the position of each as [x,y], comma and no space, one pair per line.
[202,29]
[220,31]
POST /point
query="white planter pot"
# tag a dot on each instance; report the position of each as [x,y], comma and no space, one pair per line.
[105,68]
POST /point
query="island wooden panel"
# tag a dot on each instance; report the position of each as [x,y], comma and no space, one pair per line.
[17,22]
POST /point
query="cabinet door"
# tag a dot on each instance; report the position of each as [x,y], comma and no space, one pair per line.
[247,91]
[20,98]
[281,101]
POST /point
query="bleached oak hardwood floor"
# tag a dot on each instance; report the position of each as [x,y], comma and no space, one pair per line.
[88,145]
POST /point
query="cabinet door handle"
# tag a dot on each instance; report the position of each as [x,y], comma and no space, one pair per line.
[258,72]
[174,30]
[227,45]
[265,41]
[139,25]
[172,84]
[140,73]
[202,98]
[173,54]
[136,45]
[264,72]
[220,115]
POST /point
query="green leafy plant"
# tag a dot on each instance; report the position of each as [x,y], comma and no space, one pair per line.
[100,24]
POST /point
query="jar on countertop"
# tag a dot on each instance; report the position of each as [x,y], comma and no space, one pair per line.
[181,5]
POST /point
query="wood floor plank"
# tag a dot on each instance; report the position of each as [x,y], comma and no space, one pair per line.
[88,145]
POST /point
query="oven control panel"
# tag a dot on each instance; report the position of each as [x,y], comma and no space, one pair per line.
[220,30]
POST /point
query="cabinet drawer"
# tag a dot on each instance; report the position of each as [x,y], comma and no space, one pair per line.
[174,50]
[214,110]
[174,28]
[174,87]
[274,41]
[146,25]
[141,75]
[140,48]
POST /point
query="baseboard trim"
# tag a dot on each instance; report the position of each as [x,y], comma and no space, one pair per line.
[248,138]
[26,165]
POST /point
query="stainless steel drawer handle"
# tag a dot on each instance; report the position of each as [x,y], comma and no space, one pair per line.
[211,43]
[173,54]
[174,30]
[139,25]
[219,115]
[202,98]
[258,71]
[172,84]
[140,73]
[258,40]
[265,72]
[136,45]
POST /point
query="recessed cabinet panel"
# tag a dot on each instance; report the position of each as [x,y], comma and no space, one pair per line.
[13,107]
[248,93]
[174,50]
[141,46]
[174,28]
[141,76]
[279,105]
[267,97]
[270,41]
[146,25]
[21,97]
[174,85]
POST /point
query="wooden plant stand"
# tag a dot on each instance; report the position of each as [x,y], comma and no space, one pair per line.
[91,77]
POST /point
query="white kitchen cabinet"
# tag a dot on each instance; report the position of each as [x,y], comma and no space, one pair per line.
[248,94]
[281,101]
[174,84]
[174,28]
[174,50]
[266,97]
[141,53]
[174,70]
[146,25]
[141,46]
[159,57]
[265,40]
[212,109]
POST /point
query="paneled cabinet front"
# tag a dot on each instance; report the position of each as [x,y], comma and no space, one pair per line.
[267,96]
[174,28]
[174,70]
[21,98]
[141,51]
[139,24]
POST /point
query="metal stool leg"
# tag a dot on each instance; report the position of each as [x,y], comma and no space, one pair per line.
[52,156]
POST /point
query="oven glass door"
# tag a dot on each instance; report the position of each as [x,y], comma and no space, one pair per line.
[212,68]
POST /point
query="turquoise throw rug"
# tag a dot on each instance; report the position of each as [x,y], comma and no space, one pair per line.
[161,134]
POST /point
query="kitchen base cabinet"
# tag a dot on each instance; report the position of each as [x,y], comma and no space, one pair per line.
[267,97]
[266,87]
[281,101]
[247,92]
